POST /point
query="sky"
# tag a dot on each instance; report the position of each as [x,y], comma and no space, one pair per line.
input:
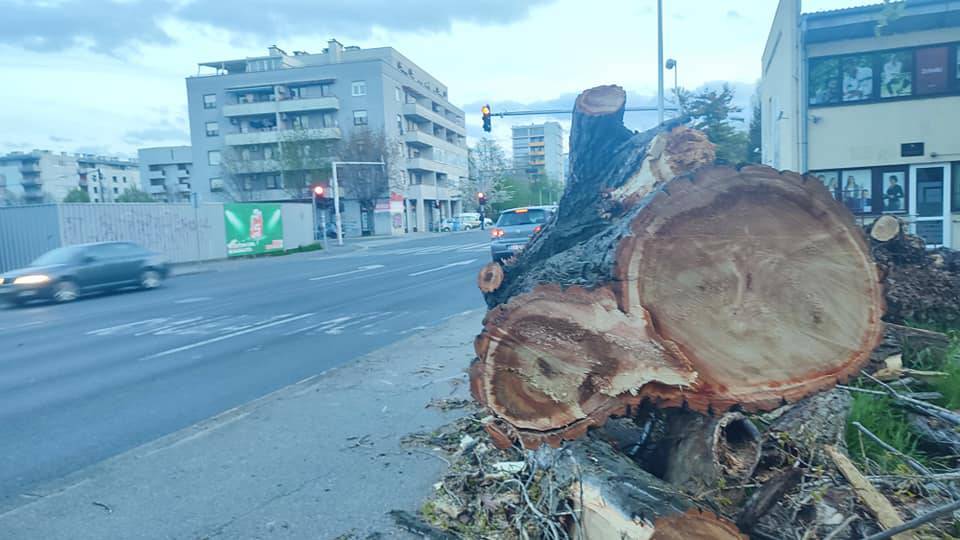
[107,76]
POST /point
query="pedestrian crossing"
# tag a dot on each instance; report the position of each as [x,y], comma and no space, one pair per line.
[431,250]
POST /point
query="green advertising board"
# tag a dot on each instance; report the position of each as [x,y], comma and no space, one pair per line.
[253,228]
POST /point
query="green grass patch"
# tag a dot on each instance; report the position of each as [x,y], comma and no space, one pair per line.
[885,420]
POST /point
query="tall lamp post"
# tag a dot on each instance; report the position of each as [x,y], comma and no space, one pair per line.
[660,60]
[336,192]
[672,65]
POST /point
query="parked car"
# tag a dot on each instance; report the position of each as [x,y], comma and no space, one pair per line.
[65,273]
[470,220]
[451,224]
[515,227]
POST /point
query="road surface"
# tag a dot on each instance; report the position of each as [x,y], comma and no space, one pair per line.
[85,381]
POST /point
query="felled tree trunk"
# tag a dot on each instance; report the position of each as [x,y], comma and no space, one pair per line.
[617,499]
[667,279]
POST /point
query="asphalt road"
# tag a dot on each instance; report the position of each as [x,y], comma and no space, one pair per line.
[85,381]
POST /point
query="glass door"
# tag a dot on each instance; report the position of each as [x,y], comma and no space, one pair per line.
[930,203]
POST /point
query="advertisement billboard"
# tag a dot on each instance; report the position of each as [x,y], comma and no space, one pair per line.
[932,70]
[253,228]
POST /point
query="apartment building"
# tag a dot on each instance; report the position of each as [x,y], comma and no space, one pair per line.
[106,178]
[43,176]
[242,112]
[165,172]
[866,99]
[538,150]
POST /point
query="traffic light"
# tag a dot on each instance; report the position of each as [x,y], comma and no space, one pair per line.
[318,191]
[485,111]
[481,198]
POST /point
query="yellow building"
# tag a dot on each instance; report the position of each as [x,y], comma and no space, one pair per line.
[867,99]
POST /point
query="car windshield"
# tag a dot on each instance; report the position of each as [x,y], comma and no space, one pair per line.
[532,216]
[57,256]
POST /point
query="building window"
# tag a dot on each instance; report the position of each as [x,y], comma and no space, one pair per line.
[397,94]
[209,101]
[124,179]
[400,123]
[213,157]
[893,190]
[273,182]
[114,179]
[116,190]
[358,88]
[216,184]
[360,117]
[268,152]
[213,129]
[95,189]
[896,77]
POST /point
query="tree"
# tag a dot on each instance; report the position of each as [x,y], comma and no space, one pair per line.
[753,136]
[134,195]
[9,198]
[369,183]
[709,111]
[489,172]
[77,195]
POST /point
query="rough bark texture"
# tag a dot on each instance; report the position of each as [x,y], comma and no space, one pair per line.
[620,500]
[921,286]
[662,278]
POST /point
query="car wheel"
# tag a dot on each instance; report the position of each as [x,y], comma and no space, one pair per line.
[150,279]
[65,291]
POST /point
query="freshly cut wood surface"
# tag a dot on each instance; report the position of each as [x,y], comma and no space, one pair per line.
[878,505]
[885,228]
[708,288]
[490,277]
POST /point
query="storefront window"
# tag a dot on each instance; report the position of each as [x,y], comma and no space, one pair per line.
[932,70]
[896,78]
[824,81]
[857,190]
[895,189]
[857,77]
[830,179]
[955,189]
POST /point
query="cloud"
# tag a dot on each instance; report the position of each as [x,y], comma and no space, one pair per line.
[106,25]
[734,14]
[163,133]
[56,139]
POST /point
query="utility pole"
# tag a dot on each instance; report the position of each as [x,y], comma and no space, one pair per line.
[660,60]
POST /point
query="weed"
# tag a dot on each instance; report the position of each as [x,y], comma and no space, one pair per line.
[880,416]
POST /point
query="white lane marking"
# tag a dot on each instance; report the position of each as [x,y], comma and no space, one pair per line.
[357,271]
[227,336]
[444,267]
[20,326]
[111,329]
[329,323]
[192,300]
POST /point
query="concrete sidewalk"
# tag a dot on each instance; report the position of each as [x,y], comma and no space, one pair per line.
[318,459]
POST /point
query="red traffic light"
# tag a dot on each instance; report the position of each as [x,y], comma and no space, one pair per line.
[318,191]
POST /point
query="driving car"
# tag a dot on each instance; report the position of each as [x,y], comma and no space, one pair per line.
[515,227]
[65,273]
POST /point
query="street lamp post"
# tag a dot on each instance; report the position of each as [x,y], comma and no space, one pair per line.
[672,65]
[660,60]
[336,192]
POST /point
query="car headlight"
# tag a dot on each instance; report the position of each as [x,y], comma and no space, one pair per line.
[1,280]
[31,279]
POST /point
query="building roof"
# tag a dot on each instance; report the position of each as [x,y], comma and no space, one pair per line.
[862,21]
[870,8]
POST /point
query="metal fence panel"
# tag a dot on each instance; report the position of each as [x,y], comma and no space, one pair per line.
[26,232]
[297,224]
[179,231]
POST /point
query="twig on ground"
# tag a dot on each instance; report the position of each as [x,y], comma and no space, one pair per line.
[916,522]
[921,406]
[104,506]
[841,527]
[914,464]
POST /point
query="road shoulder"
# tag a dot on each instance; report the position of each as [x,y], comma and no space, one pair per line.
[317,459]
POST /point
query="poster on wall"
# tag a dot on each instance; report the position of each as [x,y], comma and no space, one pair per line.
[932,70]
[858,190]
[894,192]
[830,179]
[857,77]
[253,229]
[896,78]
[824,81]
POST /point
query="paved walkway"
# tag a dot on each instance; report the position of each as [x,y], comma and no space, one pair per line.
[318,459]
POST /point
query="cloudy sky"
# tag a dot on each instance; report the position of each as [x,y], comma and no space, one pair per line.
[107,76]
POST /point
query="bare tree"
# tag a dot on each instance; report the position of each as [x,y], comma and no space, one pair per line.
[369,183]
[488,172]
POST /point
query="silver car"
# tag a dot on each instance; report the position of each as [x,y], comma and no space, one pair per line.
[515,228]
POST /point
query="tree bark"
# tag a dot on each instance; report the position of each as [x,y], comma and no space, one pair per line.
[663,278]
[618,499]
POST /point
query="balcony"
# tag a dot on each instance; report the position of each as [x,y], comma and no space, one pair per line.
[183,173]
[31,181]
[183,188]
[425,164]
[423,139]
[287,105]
[273,136]
[157,175]
[254,166]
[430,192]
[156,189]
[30,168]
[415,110]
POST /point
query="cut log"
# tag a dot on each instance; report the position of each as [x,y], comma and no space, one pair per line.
[806,428]
[695,452]
[617,499]
[490,277]
[719,288]
[885,228]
